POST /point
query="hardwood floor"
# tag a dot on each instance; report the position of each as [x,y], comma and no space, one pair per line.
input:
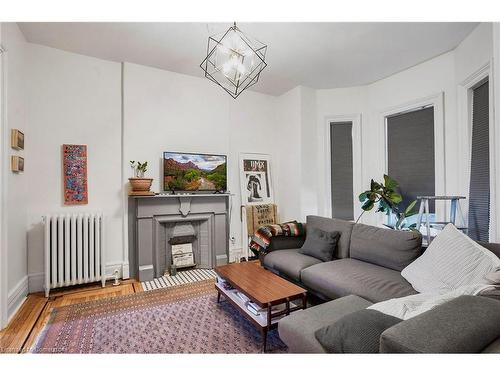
[22,331]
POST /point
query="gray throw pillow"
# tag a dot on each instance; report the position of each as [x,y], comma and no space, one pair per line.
[358,332]
[320,244]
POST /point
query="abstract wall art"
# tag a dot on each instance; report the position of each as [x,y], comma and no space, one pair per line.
[75,174]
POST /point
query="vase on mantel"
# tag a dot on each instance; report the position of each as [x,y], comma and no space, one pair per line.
[140,186]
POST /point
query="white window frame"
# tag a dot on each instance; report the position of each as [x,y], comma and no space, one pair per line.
[465,102]
[437,102]
[357,160]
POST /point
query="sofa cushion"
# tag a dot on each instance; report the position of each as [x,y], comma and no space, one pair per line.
[289,262]
[451,261]
[334,225]
[342,277]
[385,247]
[466,324]
[492,291]
[491,246]
[320,244]
[297,330]
[358,332]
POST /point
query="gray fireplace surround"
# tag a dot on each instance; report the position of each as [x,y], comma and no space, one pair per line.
[152,221]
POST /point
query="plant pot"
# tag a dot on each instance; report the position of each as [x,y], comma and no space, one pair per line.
[140,185]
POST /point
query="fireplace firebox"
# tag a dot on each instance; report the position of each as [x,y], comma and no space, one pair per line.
[181,245]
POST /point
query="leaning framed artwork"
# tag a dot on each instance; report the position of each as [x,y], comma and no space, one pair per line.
[255,179]
[75,174]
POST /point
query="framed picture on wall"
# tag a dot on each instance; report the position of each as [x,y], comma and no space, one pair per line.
[17,164]
[17,139]
[75,174]
[255,179]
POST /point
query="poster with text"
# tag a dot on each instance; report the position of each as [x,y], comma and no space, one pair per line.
[255,179]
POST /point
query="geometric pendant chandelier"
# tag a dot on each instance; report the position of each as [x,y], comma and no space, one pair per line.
[234,60]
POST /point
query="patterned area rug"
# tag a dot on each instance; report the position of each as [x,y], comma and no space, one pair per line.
[182,277]
[183,319]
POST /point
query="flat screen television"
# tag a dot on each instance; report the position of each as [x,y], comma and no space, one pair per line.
[194,172]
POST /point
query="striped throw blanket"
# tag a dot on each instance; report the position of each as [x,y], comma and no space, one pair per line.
[262,238]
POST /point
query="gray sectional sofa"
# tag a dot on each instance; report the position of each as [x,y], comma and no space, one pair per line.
[366,269]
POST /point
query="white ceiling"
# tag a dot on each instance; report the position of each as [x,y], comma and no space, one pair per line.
[317,55]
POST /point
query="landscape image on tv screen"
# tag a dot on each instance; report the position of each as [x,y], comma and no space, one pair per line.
[194,172]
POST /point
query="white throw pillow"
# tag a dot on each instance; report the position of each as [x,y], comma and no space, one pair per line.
[452,260]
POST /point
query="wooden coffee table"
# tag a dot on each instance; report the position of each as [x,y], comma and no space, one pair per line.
[262,287]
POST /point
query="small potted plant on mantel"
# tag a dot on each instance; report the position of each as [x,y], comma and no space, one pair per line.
[139,184]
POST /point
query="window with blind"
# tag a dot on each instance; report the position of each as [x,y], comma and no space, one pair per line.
[410,153]
[479,186]
[341,170]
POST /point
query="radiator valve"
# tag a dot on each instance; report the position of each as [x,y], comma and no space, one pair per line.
[117,281]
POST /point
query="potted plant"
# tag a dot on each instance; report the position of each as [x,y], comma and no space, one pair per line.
[388,199]
[140,184]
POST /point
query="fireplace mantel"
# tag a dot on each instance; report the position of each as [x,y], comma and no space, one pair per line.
[180,195]
[150,215]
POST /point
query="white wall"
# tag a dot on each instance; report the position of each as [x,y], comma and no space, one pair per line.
[308,136]
[15,105]
[166,111]
[297,168]
[77,99]
[72,99]
[438,75]
[474,51]
[288,170]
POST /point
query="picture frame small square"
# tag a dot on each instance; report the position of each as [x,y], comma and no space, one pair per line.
[17,139]
[17,163]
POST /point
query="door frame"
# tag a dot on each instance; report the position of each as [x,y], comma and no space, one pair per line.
[357,160]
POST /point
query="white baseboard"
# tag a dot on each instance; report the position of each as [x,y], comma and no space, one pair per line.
[235,253]
[125,271]
[36,281]
[16,297]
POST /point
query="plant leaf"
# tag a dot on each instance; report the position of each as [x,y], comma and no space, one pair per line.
[410,207]
[395,197]
[389,182]
[400,221]
[367,206]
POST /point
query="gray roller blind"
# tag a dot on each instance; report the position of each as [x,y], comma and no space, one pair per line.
[479,192]
[410,152]
[341,172]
